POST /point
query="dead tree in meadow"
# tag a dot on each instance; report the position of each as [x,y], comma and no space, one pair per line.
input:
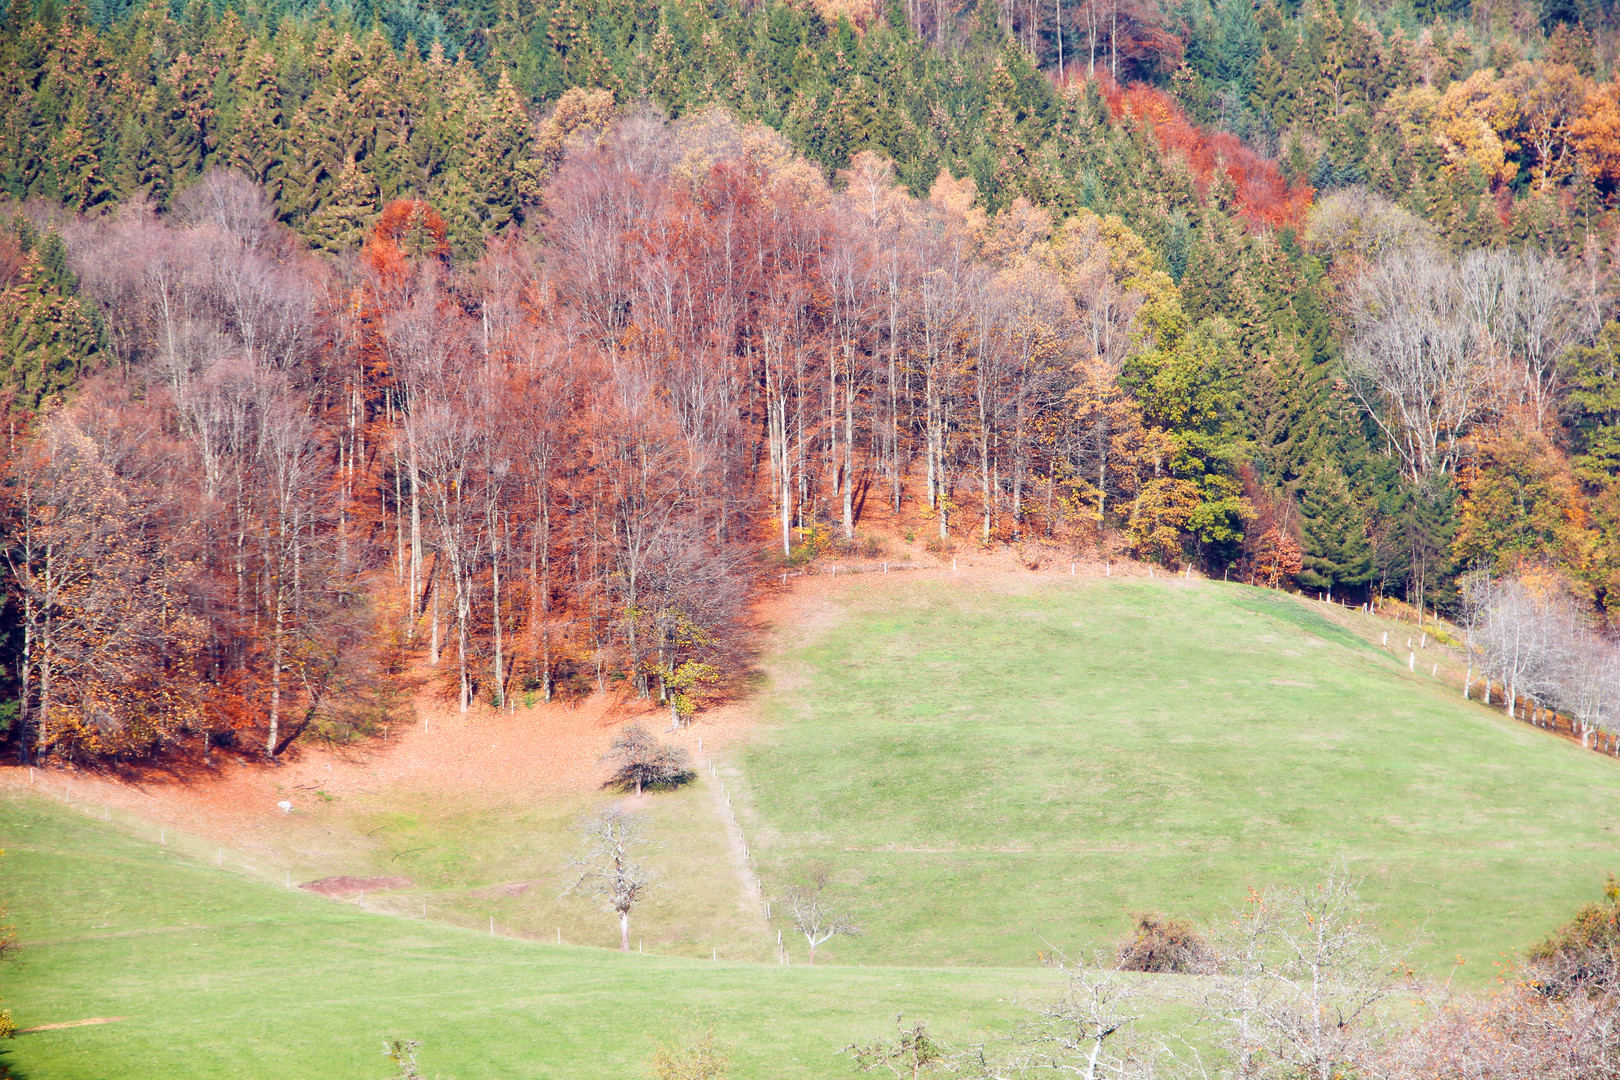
[814,916]
[607,869]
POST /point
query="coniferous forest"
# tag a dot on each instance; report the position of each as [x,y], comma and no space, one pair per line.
[531,341]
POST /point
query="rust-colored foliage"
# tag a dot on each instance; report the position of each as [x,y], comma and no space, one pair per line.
[1261,194]
[407,229]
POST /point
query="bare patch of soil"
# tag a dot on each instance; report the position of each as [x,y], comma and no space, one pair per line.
[71,1024]
[494,892]
[493,758]
[482,757]
[348,886]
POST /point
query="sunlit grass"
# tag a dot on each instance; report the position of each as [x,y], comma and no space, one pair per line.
[220,976]
[988,769]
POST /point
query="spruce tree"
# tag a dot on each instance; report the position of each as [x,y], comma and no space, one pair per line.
[75,160]
[1337,551]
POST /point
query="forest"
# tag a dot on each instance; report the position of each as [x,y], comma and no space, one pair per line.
[530,344]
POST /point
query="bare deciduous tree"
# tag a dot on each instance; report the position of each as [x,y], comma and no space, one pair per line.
[814,916]
[607,869]
[641,761]
[1530,635]
[1086,1032]
[1423,368]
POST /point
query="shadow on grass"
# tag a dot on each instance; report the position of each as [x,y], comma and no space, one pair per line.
[7,1070]
[1288,609]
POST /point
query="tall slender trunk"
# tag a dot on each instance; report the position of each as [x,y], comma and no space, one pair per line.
[787,486]
[416,549]
[894,422]
[46,660]
[400,570]
[849,448]
[984,471]
[275,676]
[25,673]
[433,640]
[1113,41]
[495,617]
[1058,5]
[463,613]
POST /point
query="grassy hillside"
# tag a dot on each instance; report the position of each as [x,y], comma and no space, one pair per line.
[459,851]
[983,767]
[221,976]
[979,766]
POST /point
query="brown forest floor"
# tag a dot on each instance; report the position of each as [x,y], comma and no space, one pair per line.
[528,755]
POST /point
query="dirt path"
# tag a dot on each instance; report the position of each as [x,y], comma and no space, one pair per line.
[753,892]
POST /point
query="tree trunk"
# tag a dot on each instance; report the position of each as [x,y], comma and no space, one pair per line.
[416,552]
[495,617]
[849,452]
[624,931]
[433,640]
[275,679]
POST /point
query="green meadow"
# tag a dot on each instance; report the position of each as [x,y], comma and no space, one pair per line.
[218,976]
[985,771]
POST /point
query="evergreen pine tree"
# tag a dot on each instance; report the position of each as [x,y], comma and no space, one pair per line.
[48,338]
[76,160]
[345,215]
[1337,551]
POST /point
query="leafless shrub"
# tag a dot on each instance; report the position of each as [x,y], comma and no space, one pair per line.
[1167,946]
[696,1057]
[909,1054]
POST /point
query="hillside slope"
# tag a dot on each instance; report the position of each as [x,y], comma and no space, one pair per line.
[983,766]
[211,975]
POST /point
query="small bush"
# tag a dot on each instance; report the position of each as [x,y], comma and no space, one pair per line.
[695,1058]
[1167,946]
[1583,955]
[797,556]
[402,1052]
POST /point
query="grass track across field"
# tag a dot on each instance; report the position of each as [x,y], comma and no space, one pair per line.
[983,766]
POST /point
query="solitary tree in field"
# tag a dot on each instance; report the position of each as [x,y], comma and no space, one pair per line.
[641,761]
[814,917]
[1088,1031]
[607,868]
